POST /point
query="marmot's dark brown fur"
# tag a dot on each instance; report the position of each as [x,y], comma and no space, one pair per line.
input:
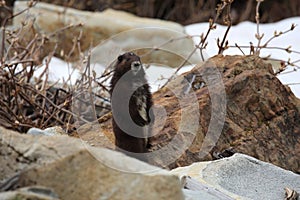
[129,77]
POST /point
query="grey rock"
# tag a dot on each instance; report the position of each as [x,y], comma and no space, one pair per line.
[74,170]
[32,192]
[22,151]
[252,178]
[195,190]
[242,177]
[113,31]
[198,195]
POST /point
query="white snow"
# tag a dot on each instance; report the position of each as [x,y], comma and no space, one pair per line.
[244,33]
[241,34]
[158,75]
[59,71]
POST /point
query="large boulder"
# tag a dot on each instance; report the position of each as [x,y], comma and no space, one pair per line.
[113,31]
[20,152]
[250,111]
[68,168]
[238,177]
[234,104]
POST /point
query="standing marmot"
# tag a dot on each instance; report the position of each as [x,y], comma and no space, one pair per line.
[131,101]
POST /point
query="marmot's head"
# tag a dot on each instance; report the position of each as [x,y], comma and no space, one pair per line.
[129,62]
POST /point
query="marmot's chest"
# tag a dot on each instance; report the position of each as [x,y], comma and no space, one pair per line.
[139,103]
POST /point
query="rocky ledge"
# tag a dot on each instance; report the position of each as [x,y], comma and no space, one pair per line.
[62,167]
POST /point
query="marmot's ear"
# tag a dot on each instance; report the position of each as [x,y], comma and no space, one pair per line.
[120,58]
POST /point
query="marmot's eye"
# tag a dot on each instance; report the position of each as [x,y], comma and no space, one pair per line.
[120,58]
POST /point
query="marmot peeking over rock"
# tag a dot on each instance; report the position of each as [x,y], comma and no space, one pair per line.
[131,101]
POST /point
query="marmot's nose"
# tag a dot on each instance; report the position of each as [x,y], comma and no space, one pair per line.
[136,66]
